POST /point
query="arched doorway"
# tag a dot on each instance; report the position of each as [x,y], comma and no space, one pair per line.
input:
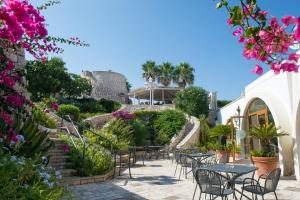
[257,114]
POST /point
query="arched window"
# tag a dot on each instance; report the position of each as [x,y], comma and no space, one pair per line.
[259,113]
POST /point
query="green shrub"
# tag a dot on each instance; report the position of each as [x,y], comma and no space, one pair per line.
[122,130]
[89,105]
[98,160]
[43,119]
[68,109]
[220,130]
[161,126]
[23,178]
[140,133]
[88,115]
[148,118]
[193,101]
[168,123]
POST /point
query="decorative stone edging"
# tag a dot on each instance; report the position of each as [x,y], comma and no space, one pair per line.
[76,180]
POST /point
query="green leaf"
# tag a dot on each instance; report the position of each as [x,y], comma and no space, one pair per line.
[219,5]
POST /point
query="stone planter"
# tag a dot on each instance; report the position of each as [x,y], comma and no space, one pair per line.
[265,164]
[223,156]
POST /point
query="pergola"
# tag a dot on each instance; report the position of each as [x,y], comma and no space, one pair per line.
[158,93]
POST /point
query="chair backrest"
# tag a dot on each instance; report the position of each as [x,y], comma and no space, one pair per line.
[207,179]
[272,180]
[210,160]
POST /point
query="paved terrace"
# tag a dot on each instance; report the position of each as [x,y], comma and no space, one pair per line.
[155,181]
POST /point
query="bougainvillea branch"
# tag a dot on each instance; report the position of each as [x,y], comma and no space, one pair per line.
[21,27]
[265,38]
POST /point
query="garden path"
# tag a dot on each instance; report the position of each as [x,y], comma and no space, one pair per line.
[155,181]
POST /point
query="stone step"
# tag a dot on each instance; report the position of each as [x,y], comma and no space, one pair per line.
[67,172]
[59,158]
[62,165]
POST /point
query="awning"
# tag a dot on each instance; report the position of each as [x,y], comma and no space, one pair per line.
[160,93]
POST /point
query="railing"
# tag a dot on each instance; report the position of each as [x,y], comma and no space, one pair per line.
[77,134]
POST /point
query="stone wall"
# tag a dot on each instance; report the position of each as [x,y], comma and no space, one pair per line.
[18,57]
[108,85]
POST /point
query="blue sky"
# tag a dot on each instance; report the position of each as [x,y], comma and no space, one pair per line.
[123,34]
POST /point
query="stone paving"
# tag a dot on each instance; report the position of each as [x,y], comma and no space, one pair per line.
[155,181]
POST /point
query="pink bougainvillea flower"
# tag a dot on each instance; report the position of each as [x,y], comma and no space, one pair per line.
[242,39]
[237,32]
[229,22]
[288,20]
[65,148]
[6,118]
[258,70]
[55,106]
[263,12]
[294,57]
[276,67]
[296,34]
[289,67]
[9,81]
[15,100]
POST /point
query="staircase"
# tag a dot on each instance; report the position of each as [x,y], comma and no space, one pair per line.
[58,158]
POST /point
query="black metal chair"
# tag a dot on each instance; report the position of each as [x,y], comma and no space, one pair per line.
[249,176]
[270,184]
[184,162]
[212,184]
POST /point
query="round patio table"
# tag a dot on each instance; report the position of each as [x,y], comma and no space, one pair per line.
[236,170]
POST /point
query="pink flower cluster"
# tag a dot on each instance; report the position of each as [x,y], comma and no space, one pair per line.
[6,117]
[22,25]
[15,99]
[126,116]
[269,40]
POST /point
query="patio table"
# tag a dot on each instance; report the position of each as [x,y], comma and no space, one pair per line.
[154,149]
[236,170]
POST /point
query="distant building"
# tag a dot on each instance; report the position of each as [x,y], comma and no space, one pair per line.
[108,85]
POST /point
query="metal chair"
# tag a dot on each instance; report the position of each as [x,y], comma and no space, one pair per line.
[270,184]
[212,183]
[184,162]
[249,176]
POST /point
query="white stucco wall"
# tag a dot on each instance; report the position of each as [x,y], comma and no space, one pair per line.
[281,93]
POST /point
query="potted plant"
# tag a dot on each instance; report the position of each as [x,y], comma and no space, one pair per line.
[265,158]
[223,149]
[236,152]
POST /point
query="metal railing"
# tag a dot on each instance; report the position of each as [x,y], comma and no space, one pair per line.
[77,134]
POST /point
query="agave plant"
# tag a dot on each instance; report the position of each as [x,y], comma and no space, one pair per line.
[35,140]
[266,133]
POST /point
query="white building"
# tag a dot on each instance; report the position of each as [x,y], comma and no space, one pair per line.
[271,98]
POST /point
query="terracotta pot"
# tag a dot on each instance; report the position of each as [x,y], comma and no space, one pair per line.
[238,155]
[265,164]
[223,156]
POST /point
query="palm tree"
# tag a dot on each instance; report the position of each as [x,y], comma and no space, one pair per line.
[184,74]
[165,74]
[150,70]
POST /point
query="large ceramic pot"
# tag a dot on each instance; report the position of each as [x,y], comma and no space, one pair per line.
[223,156]
[265,164]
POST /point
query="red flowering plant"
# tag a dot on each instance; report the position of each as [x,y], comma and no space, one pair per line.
[22,27]
[266,39]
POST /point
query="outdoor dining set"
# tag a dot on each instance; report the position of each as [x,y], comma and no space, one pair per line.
[221,180]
